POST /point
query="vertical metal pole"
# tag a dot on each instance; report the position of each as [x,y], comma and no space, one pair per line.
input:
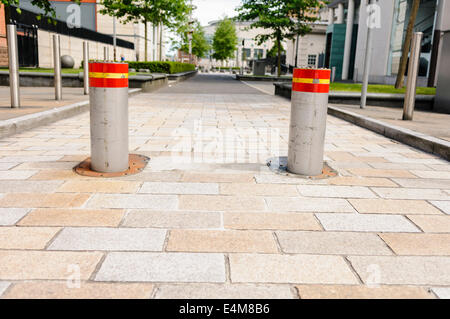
[114,39]
[367,62]
[57,67]
[413,72]
[348,39]
[86,67]
[105,54]
[14,84]
[310,88]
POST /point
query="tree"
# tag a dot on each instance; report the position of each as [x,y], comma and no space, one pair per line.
[273,52]
[159,12]
[284,18]
[407,45]
[200,45]
[224,40]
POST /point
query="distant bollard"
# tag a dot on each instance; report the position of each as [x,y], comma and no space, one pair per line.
[310,90]
[108,96]
[413,72]
[57,67]
[13,60]
[86,67]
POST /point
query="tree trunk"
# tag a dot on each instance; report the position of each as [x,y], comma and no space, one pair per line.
[146,42]
[279,56]
[407,45]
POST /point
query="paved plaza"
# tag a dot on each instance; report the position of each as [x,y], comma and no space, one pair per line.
[208,218]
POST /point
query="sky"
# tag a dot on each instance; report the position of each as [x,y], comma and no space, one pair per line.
[209,10]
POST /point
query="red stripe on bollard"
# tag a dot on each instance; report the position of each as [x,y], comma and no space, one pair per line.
[311,81]
[108,75]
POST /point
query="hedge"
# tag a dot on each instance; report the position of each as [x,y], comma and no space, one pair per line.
[162,67]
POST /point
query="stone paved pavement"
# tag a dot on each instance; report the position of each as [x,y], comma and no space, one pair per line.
[214,221]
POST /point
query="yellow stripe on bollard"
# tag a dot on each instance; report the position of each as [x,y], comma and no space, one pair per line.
[310,81]
[99,75]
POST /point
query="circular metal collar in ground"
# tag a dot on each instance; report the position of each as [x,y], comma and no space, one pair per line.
[137,163]
[278,165]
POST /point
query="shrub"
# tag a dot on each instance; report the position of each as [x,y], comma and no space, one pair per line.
[162,67]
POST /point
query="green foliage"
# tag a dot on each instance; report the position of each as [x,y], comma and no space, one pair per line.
[200,45]
[284,18]
[162,67]
[41,4]
[225,40]
[272,53]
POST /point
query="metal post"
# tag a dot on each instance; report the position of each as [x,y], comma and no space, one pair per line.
[14,84]
[57,67]
[105,53]
[108,98]
[310,88]
[348,39]
[367,62]
[413,71]
[86,67]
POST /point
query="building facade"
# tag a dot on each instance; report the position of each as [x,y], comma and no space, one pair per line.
[347,35]
[76,23]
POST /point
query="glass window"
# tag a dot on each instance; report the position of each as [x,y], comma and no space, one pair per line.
[312,59]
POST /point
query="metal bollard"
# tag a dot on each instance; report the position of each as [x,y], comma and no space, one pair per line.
[413,72]
[108,99]
[14,84]
[57,68]
[310,90]
[86,67]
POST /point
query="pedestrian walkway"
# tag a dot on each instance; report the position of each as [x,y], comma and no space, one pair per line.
[37,99]
[208,218]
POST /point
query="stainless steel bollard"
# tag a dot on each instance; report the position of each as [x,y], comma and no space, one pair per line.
[413,72]
[108,98]
[57,68]
[310,90]
[86,67]
[13,57]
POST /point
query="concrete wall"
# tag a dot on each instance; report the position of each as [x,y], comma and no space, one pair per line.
[74,47]
[442,101]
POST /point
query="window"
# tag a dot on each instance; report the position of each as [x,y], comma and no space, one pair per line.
[312,59]
[259,53]
[246,54]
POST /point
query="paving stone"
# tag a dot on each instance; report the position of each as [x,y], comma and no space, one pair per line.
[217,178]
[86,290]
[432,224]
[281,221]
[36,200]
[23,159]
[257,189]
[7,166]
[432,174]
[281,179]
[402,166]
[389,206]
[26,237]
[111,239]
[166,177]
[99,187]
[362,292]
[10,216]
[418,244]
[223,291]
[3,286]
[372,172]
[221,203]
[410,193]
[366,223]
[362,181]
[221,241]
[29,186]
[196,220]
[29,265]
[442,293]
[331,243]
[442,205]
[46,175]
[264,268]
[155,202]
[402,270]
[162,267]
[335,191]
[180,188]
[422,183]
[73,217]
[324,205]
[16,175]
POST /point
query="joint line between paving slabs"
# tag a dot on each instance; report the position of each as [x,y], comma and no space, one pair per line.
[98,266]
[353,270]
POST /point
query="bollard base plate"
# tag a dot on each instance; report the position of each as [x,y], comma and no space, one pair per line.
[278,165]
[137,163]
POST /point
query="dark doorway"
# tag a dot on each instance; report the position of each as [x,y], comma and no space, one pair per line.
[328,50]
[27,44]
